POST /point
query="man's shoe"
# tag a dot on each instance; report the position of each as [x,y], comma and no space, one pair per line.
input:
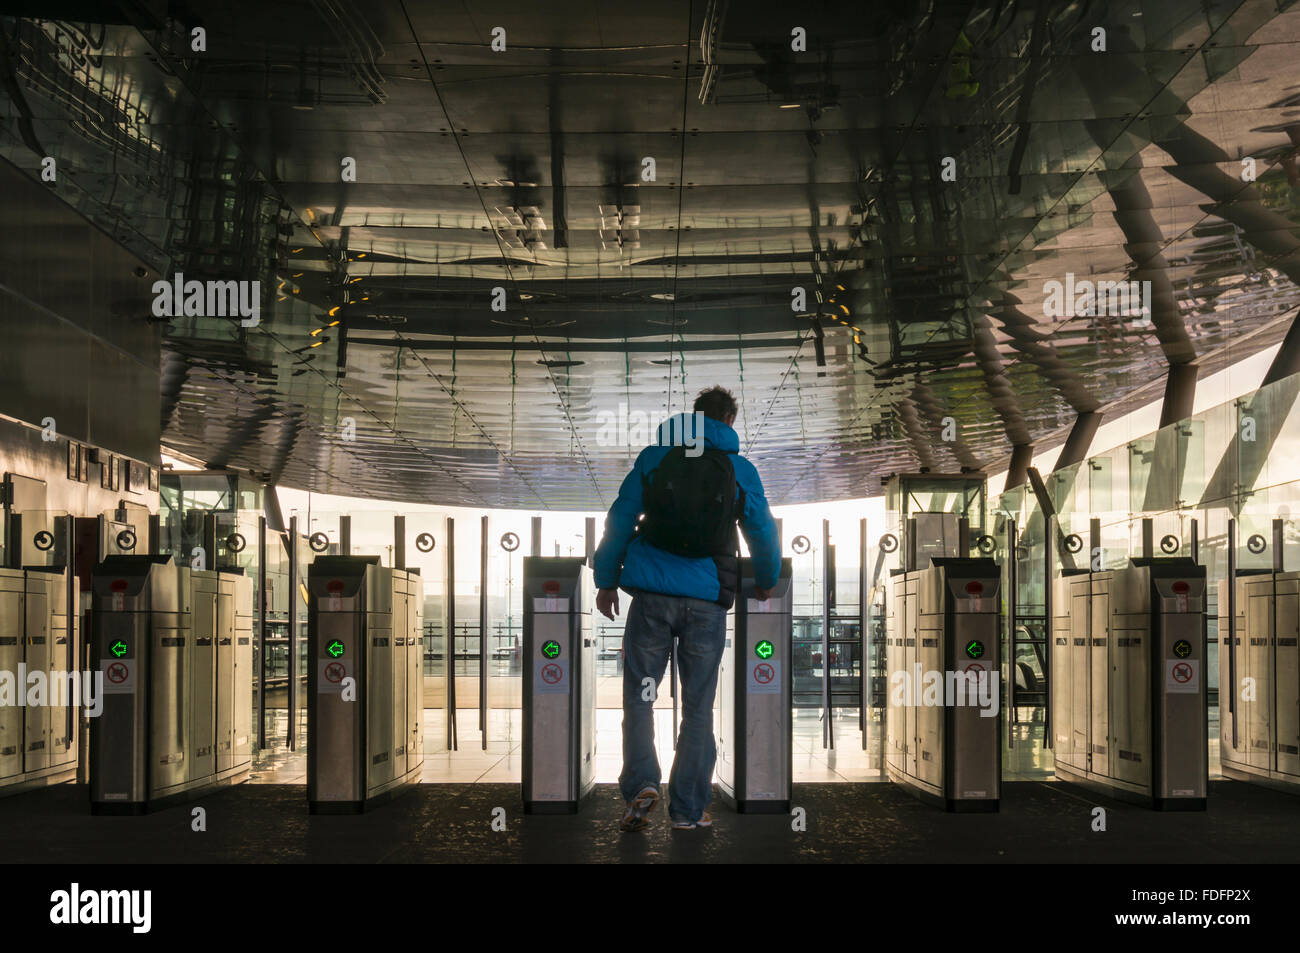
[706,820]
[634,818]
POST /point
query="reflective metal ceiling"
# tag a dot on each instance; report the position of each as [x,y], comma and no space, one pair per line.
[922,171]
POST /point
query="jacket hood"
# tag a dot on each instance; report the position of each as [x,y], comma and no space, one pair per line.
[682,430]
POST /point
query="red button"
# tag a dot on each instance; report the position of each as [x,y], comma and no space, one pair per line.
[1181,587]
[118,585]
[974,587]
[334,585]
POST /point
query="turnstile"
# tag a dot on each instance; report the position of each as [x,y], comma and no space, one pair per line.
[1128,698]
[38,740]
[559,711]
[1259,664]
[755,732]
[173,647]
[943,651]
[365,683]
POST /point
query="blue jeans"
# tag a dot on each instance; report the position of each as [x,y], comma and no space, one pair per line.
[700,628]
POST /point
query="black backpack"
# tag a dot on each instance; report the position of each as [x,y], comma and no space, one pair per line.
[691,504]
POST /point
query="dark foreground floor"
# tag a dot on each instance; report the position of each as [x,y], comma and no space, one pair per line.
[851,823]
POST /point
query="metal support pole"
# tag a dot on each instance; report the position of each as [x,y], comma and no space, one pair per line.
[1279,561]
[345,535]
[1232,630]
[1022,455]
[71,584]
[260,642]
[828,733]
[399,542]
[864,621]
[1012,595]
[452,744]
[535,544]
[292,666]
[1180,394]
[1079,440]
[210,541]
[1049,534]
[483,649]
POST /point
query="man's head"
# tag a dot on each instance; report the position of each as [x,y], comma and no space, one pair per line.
[717,403]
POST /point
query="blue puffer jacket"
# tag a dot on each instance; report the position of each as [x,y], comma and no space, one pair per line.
[633,564]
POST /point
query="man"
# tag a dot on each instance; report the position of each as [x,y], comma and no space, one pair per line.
[680,565]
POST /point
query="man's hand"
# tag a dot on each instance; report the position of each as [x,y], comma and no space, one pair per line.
[762,595]
[607,602]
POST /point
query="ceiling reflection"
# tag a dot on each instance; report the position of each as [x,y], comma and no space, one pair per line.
[860,217]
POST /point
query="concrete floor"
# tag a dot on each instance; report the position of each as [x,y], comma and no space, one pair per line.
[854,823]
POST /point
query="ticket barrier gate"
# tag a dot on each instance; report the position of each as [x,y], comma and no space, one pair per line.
[1258,663]
[943,650]
[38,742]
[1127,691]
[365,683]
[173,647]
[755,731]
[559,704]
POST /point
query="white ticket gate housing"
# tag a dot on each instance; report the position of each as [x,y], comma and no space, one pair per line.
[943,736]
[559,704]
[365,683]
[1260,740]
[38,743]
[1128,699]
[174,646]
[755,731]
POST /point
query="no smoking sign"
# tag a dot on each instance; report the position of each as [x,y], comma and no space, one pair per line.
[330,675]
[1182,677]
[764,677]
[551,678]
[119,676]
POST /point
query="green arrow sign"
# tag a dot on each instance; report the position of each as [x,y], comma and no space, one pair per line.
[974,648]
[1182,648]
[118,648]
[551,649]
[764,649]
[335,648]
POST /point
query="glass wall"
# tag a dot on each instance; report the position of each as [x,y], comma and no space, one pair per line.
[1238,462]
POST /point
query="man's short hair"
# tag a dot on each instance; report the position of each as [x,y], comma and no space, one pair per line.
[716,403]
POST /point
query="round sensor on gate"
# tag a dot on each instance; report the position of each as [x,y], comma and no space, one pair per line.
[334,585]
[551,649]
